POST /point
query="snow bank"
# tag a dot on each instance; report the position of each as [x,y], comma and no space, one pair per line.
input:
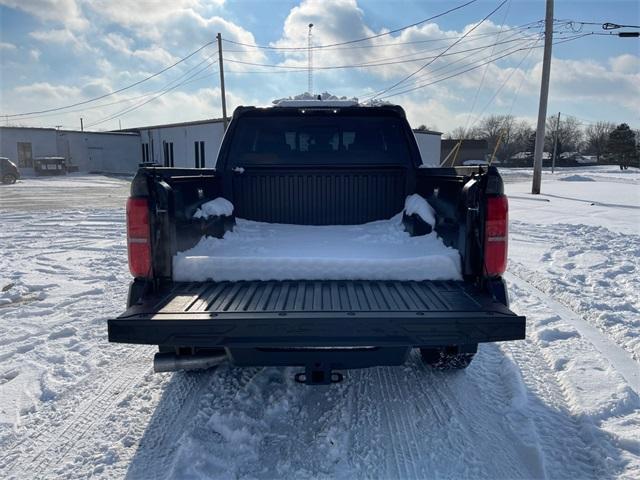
[576,178]
[218,207]
[418,205]
[374,251]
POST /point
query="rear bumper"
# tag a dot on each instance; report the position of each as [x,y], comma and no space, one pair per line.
[340,329]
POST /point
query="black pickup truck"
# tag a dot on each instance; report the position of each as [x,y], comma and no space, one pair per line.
[308,165]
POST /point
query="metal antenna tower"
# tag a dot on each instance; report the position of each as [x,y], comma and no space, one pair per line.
[310,60]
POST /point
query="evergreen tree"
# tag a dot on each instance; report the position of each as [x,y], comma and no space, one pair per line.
[622,144]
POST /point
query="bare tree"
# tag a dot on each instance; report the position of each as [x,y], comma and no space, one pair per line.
[519,139]
[569,133]
[463,133]
[597,135]
[425,128]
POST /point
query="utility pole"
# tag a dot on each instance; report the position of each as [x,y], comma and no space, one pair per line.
[555,144]
[81,125]
[544,95]
[222,93]
[310,61]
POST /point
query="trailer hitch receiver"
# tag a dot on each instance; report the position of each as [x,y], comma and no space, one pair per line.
[318,374]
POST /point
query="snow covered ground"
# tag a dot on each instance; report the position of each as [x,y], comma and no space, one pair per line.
[562,404]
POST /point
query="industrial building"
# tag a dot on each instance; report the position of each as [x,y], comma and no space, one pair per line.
[188,144]
[112,152]
[469,151]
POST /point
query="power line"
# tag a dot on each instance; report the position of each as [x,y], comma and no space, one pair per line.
[450,64]
[115,91]
[445,51]
[395,57]
[484,73]
[372,62]
[497,92]
[284,50]
[267,47]
[160,94]
[478,66]
[177,79]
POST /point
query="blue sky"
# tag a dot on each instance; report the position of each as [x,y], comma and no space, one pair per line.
[59,52]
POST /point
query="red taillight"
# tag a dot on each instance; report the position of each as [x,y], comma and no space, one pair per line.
[496,236]
[139,237]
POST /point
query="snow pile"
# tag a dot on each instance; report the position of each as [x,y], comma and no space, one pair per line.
[576,178]
[379,250]
[415,204]
[16,292]
[215,208]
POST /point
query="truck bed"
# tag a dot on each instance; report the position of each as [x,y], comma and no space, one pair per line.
[317,314]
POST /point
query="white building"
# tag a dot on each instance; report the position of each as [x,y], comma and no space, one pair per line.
[111,152]
[189,144]
[429,143]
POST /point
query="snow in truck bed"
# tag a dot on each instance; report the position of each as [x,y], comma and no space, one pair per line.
[379,250]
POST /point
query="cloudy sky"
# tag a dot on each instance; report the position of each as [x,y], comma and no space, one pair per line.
[57,53]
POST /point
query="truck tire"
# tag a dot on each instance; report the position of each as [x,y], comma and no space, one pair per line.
[9,179]
[446,358]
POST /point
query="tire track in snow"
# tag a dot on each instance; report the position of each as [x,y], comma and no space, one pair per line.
[401,469]
[175,415]
[558,433]
[590,450]
[397,417]
[476,402]
[618,356]
[368,441]
[590,269]
[51,445]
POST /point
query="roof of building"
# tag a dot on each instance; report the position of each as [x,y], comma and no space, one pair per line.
[428,132]
[169,125]
[51,129]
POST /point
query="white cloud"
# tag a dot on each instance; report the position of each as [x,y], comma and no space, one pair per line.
[144,13]
[63,12]
[337,21]
[60,36]
[154,54]
[48,91]
[625,63]
[7,46]
[130,40]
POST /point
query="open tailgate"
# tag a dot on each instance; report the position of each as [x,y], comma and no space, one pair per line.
[317,313]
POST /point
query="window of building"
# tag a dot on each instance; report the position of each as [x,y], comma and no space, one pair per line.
[25,155]
[145,152]
[168,154]
[199,154]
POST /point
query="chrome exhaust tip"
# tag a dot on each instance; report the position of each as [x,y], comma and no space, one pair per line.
[171,362]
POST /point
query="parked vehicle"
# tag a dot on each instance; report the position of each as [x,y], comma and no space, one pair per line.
[313,164]
[50,166]
[9,172]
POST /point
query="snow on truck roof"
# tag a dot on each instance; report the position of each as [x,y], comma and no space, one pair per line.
[316,103]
